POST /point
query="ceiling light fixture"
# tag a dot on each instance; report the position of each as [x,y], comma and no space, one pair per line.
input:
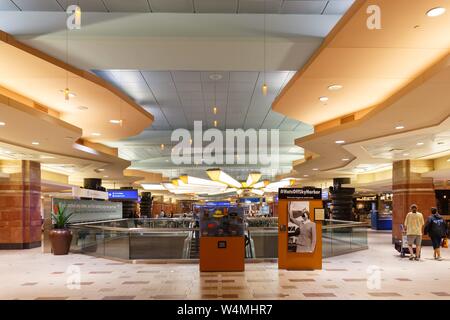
[115,121]
[2,124]
[420,144]
[253,178]
[35,143]
[68,94]
[47,157]
[215,123]
[436,12]
[400,127]
[162,146]
[345,159]
[96,134]
[406,154]
[315,169]
[324,99]
[220,176]
[340,141]
[306,175]
[215,110]
[335,87]
[264,87]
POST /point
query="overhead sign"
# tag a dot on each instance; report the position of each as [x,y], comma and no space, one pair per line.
[300,193]
[90,210]
[123,194]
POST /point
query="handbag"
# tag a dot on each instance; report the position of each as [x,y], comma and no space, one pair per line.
[445,243]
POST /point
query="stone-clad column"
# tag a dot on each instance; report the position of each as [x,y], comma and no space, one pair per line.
[20,202]
[410,188]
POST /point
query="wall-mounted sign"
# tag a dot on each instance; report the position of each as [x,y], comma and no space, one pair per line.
[90,210]
[300,193]
[123,194]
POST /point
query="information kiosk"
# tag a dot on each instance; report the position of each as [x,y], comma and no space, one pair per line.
[300,216]
[222,242]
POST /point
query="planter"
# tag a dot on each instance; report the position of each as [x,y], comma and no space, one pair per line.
[60,240]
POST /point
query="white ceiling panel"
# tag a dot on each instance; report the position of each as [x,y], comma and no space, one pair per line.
[155,77]
[257,6]
[127,6]
[7,5]
[188,86]
[273,120]
[215,86]
[243,76]
[128,76]
[241,86]
[303,7]
[171,6]
[216,6]
[288,124]
[38,5]
[186,76]
[338,6]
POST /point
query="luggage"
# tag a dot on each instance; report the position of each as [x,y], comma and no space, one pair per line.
[402,245]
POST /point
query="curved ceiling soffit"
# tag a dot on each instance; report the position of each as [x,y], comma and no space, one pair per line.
[404,107]
[40,77]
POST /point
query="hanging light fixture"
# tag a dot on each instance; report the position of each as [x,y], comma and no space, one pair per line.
[264,87]
[253,178]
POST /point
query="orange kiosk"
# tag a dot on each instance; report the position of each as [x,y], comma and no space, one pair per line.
[222,242]
[300,217]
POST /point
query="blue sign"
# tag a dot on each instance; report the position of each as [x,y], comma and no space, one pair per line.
[124,194]
[251,200]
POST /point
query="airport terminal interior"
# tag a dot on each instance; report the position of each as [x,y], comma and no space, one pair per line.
[224,149]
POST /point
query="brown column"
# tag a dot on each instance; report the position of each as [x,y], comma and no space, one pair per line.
[20,198]
[410,188]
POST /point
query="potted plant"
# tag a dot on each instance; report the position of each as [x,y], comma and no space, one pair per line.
[60,235]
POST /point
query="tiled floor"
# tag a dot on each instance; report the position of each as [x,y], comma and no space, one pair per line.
[378,273]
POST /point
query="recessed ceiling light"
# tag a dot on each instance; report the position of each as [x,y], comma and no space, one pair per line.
[335,87]
[115,121]
[35,143]
[162,146]
[340,141]
[420,143]
[215,123]
[306,176]
[324,99]
[345,159]
[2,124]
[399,127]
[406,154]
[100,170]
[96,134]
[436,12]
[315,169]
[105,176]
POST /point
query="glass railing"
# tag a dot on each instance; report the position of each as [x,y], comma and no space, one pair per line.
[178,239]
[342,237]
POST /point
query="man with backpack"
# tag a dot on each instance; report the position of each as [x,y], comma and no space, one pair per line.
[436,228]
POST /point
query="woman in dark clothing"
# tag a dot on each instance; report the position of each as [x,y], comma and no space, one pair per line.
[436,228]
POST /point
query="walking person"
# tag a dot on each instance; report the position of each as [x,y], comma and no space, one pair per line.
[436,228]
[414,229]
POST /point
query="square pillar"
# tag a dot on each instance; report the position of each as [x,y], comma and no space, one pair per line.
[409,187]
[20,205]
